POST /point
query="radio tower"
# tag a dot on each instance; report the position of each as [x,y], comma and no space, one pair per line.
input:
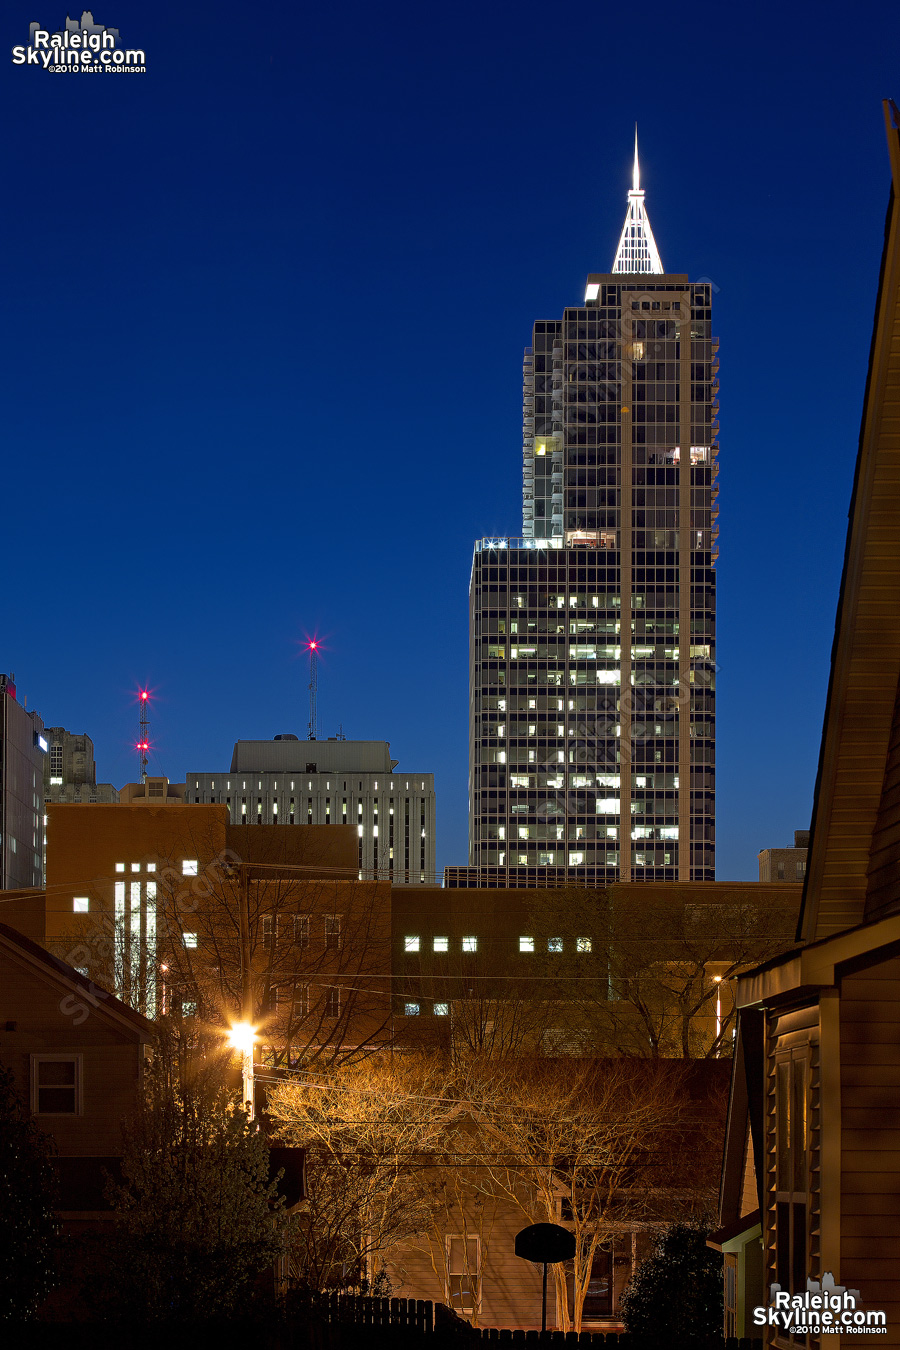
[313,686]
[143,745]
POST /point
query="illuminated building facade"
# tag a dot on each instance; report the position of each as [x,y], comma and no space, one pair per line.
[287,781]
[592,635]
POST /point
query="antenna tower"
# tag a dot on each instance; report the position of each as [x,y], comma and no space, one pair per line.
[313,687]
[143,745]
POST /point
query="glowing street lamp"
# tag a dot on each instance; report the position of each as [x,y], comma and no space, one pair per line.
[717,981]
[243,1037]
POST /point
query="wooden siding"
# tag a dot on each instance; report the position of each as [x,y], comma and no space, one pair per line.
[883,891]
[749,1200]
[862,688]
[50,1020]
[789,1031]
[870,1138]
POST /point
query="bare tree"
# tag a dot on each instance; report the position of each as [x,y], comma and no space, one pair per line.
[409,1150]
[642,973]
[581,1142]
[257,929]
[365,1131]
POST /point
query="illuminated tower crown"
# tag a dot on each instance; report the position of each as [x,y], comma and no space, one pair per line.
[637,251]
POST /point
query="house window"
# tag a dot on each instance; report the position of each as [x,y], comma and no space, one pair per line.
[332,932]
[301,930]
[270,930]
[188,1008]
[410,944]
[583,944]
[301,1001]
[554,944]
[80,904]
[189,867]
[190,939]
[791,1149]
[411,1009]
[598,1295]
[463,1274]
[56,1085]
[526,944]
[333,1002]
[442,1010]
[470,944]
[440,944]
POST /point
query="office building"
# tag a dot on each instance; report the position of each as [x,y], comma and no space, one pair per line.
[70,774]
[287,781]
[592,634]
[22,751]
[785,864]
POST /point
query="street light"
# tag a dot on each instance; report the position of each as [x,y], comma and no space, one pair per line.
[243,1036]
[717,981]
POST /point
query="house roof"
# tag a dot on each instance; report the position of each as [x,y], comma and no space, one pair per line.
[101,1000]
[854,857]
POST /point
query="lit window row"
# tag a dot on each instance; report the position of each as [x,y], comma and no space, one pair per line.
[189,867]
[413,943]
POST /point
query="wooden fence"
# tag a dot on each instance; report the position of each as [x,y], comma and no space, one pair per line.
[441,1324]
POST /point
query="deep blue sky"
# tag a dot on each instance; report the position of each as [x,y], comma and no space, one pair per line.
[265,311]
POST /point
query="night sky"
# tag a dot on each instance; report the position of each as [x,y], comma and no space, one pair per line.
[265,312]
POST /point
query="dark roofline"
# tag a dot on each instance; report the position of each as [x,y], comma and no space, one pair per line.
[95,993]
[820,771]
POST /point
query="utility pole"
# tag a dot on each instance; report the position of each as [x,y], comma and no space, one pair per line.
[244,1036]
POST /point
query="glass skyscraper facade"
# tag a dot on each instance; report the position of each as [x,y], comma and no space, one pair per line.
[592,634]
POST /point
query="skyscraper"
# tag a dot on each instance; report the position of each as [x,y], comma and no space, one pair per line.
[592,635]
[22,750]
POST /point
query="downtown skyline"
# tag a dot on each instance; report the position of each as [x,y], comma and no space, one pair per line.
[253,385]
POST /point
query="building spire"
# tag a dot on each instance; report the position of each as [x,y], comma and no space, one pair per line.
[637,251]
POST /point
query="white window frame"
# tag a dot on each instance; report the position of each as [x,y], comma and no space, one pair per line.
[57,1058]
[465,1238]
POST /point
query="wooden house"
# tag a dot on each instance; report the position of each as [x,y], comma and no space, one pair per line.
[77,1056]
[811,1178]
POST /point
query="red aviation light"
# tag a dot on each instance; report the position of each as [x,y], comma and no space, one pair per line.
[144,695]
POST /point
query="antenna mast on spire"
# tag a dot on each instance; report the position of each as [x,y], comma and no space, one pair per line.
[143,745]
[313,687]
